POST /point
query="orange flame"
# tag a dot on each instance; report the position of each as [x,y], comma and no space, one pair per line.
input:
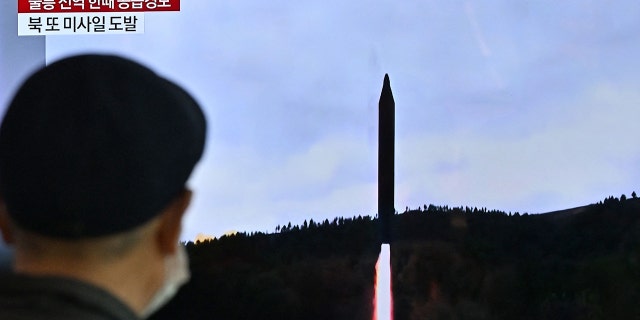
[383,301]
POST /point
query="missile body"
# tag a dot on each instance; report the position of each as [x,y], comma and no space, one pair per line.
[386,153]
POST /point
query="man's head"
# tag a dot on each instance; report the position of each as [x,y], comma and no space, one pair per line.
[96,145]
[95,153]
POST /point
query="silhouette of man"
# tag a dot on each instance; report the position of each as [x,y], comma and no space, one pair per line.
[95,153]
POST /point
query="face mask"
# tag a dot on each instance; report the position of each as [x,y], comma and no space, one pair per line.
[6,257]
[176,273]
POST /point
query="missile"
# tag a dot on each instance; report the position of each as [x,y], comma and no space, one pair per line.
[386,154]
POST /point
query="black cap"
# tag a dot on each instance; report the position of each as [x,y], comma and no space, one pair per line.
[95,145]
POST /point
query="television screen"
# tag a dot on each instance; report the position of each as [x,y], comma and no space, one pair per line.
[507,105]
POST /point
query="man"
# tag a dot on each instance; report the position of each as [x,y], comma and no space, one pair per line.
[95,153]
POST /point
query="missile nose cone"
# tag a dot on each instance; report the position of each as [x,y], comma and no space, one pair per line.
[386,94]
[386,85]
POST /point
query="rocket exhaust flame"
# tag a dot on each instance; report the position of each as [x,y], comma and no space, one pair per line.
[383,301]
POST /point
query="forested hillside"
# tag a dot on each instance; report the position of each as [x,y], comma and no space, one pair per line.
[447,263]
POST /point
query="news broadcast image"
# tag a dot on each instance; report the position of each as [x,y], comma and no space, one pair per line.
[508,105]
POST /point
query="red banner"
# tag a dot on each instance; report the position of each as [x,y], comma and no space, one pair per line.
[62,6]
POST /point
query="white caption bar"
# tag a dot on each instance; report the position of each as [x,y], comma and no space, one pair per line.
[46,24]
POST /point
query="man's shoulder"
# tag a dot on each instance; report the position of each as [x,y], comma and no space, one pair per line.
[29,297]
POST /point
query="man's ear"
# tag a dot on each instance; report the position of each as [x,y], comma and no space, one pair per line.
[5,224]
[171,222]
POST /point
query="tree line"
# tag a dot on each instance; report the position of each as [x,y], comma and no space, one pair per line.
[447,263]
